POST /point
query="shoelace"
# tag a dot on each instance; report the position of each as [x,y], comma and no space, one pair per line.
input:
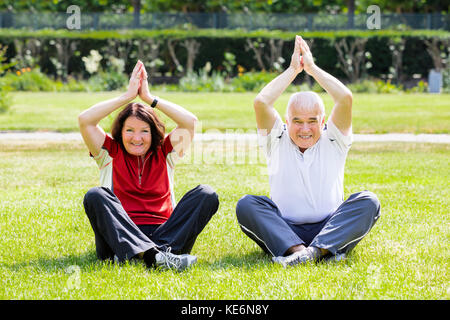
[170,259]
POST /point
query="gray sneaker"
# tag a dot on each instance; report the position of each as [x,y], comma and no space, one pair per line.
[168,260]
[299,257]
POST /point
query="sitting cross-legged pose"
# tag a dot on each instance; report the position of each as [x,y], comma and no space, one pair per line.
[306,218]
[133,213]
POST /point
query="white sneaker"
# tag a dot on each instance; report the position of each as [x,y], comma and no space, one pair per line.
[298,257]
[168,260]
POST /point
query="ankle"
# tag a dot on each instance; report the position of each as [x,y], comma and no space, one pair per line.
[149,257]
[318,252]
[291,250]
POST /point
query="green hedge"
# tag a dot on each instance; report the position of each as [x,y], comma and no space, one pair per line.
[213,45]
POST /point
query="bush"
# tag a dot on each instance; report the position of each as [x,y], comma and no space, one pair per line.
[107,81]
[27,79]
[5,98]
[366,86]
[421,87]
[223,48]
[446,76]
[387,87]
[73,85]
[252,81]
[201,81]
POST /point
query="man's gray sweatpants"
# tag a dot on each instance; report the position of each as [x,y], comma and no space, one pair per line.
[261,220]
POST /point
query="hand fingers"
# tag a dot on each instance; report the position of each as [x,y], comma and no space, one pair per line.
[139,74]
[144,73]
[136,69]
[305,46]
[297,46]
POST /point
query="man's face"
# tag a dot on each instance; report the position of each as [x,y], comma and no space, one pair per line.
[304,127]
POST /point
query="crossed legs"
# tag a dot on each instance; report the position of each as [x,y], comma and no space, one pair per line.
[116,234]
[261,220]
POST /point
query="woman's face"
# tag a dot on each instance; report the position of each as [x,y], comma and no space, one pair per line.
[136,136]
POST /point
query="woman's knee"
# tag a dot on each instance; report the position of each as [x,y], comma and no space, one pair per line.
[209,193]
[95,199]
[210,198]
[92,195]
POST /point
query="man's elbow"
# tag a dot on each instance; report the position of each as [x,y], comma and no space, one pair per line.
[259,102]
[347,99]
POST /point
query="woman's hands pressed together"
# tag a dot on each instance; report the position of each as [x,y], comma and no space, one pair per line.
[138,84]
[135,81]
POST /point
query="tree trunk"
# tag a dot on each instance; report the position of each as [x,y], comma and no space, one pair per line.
[192,46]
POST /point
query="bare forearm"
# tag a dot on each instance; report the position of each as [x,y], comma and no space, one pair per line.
[97,112]
[341,114]
[335,88]
[273,90]
[182,117]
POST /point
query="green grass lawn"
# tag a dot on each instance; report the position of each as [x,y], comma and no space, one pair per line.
[47,245]
[372,113]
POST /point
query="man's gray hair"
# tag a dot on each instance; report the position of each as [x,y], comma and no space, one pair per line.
[306,100]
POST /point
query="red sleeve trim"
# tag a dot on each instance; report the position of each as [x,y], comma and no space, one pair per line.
[111,146]
[167,145]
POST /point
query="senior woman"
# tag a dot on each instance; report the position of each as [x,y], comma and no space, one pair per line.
[133,213]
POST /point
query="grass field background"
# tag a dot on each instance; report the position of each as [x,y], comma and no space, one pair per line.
[380,113]
[47,245]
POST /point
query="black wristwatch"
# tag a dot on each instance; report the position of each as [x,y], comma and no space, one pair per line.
[154,103]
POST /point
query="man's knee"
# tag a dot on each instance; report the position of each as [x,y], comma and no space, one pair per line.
[245,206]
[370,202]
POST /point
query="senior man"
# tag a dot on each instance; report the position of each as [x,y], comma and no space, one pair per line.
[306,218]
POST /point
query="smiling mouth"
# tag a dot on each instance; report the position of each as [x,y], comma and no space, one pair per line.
[305,137]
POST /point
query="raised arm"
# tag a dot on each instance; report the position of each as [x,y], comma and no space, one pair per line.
[341,115]
[93,135]
[264,101]
[181,137]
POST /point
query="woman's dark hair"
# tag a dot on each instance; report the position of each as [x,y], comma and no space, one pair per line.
[144,113]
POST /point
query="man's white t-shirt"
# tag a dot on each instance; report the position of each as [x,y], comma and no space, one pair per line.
[307,187]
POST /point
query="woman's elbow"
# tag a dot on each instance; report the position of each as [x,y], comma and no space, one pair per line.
[192,123]
[82,119]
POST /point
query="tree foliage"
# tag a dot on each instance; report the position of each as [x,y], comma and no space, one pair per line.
[267,6]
